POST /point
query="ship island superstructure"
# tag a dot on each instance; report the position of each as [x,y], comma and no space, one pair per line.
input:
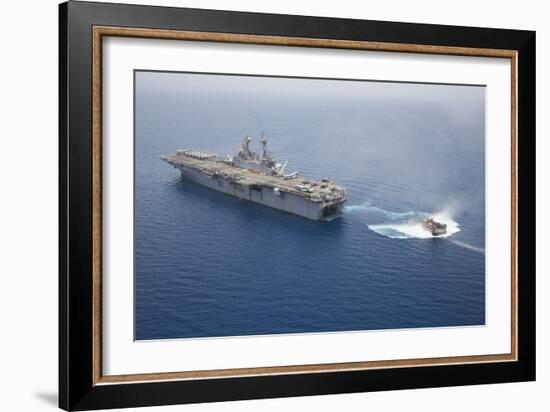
[260,179]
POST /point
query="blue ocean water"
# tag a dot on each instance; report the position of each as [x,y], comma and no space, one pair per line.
[209,265]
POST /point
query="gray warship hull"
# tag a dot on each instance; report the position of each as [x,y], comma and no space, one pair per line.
[264,195]
[309,201]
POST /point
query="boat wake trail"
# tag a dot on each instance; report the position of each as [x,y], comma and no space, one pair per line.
[467,246]
[366,207]
[405,225]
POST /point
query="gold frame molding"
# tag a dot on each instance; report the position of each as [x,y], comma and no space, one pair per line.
[101,31]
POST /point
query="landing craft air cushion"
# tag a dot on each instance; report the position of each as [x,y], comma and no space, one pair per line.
[260,179]
[435,228]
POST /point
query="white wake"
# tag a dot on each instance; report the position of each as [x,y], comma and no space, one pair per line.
[467,246]
[406,225]
[414,229]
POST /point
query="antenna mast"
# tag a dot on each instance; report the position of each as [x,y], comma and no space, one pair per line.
[263,141]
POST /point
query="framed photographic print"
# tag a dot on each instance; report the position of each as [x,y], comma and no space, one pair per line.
[257,205]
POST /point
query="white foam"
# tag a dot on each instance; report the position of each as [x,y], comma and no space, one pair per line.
[415,229]
[406,225]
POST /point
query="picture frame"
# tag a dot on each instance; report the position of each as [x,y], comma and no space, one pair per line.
[82,29]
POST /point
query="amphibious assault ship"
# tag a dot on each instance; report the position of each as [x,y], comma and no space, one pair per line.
[259,178]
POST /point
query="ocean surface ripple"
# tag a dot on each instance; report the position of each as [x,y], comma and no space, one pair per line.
[210,265]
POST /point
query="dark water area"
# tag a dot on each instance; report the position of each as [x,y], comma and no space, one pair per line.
[208,264]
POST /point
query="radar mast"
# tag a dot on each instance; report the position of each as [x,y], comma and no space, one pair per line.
[265,152]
